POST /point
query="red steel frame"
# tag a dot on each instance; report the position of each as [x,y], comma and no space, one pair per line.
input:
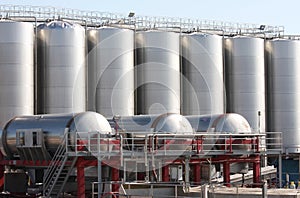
[81,163]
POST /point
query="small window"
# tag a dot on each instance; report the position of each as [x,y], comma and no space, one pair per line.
[34,138]
[22,138]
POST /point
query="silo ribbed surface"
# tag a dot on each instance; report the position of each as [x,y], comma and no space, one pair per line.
[245,79]
[16,70]
[158,72]
[284,91]
[111,71]
[61,68]
[202,69]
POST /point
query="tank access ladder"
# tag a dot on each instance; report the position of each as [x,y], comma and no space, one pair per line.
[58,172]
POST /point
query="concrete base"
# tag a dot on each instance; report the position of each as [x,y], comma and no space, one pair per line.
[252,193]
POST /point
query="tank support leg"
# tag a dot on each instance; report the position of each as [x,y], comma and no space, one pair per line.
[115,178]
[226,172]
[165,174]
[256,173]
[80,178]
[197,172]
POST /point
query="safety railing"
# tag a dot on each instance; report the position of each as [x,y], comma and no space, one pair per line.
[96,18]
[141,144]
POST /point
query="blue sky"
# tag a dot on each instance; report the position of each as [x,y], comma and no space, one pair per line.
[270,12]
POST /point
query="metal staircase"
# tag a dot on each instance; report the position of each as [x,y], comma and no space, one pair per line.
[58,171]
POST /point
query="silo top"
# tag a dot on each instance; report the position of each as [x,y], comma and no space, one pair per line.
[285,48]
[59,25]
[16,32]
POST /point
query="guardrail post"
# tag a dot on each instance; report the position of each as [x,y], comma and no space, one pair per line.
[230,141]
[257,143]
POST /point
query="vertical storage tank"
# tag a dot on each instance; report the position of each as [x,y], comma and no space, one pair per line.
[158,72]
[202,69]
[111,71]
[61,68]
[284,91]
[245,79]
[16,70]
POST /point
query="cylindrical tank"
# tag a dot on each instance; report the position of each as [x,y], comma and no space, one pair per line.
[111,71]
[245,79]
[16,69]
[284,91]
[202,69]
[158,72]
[61,68]
[53,127]
[141,125]
[220,124]
[165,123]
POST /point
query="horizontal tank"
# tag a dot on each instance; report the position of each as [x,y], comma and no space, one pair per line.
[61,68]
[111,71]
[202,69]
[284,91]
[53,127]
[140,125]
[245,79]
[165,123]
[16,70]
[223,123]
[157,72]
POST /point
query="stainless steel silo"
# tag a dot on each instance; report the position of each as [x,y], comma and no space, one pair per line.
[202,69]
[16,69]
[61,68]
[111,71]
[158,72]
[284,91]
[245,79]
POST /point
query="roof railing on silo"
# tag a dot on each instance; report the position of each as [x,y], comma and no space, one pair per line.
[95,18]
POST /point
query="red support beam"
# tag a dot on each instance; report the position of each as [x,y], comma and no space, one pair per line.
[165,174]
[197,173]
[226,172]
[80,178]
[115,178]
[256,173]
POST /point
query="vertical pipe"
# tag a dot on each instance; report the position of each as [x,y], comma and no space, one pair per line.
[280,170]
[80,178]
[99,178]
[165,174]
[115,178]
[265,190]
[226,171]
[187,171]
